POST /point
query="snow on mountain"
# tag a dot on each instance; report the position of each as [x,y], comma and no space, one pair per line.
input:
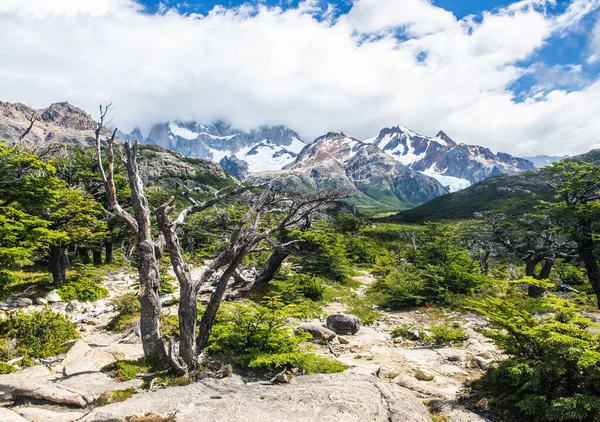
[454,165]
[374,179]
[266,148]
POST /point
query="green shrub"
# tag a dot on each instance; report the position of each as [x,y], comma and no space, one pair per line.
[38,335]
[258,336]
[402,288]
[85,285]
[443,334]
[310,287]
[128,309]
[553,373]
[308,362]
[402,331]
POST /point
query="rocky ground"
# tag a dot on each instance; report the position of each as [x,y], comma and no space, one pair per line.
[389,379]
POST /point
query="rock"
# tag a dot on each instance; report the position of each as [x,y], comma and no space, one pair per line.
[485,355]
[37,414]
[7,415]
[48,391]
[483,404]
[343,324]
[53,297]
[91,385]
[73,306]
[423,375]
[481,362]
[283,378]
[80,365]
[317,331]
[41,301]
[343,340]
[452,354]
[323,398]
[24,302]
[385,371]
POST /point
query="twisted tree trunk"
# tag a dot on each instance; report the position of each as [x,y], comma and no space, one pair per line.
[58,264]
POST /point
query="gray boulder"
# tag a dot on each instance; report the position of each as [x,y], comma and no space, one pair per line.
[343,324]
[24,302]
[53,297]
[317,331]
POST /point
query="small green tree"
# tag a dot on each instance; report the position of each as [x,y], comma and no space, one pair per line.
[553,370]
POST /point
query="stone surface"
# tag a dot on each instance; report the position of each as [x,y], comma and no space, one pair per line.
[53,297]
[423,375]
[41,301]
[343,340]
[91,385]
[317,331]
[38,414]
[80,365]
[343,324]
[7,415]
[323,398]
[48,391]
[24,302]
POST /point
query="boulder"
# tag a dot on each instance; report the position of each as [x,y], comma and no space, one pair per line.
[24,302]
[423,375]
[48,391]
[317,331]
[41,301]
[53,297]
[343,324]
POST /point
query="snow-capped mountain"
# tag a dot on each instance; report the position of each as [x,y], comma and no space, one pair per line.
[266,148]
[375,179]
[454,165]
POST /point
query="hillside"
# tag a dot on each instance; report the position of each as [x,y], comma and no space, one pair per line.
[511,194]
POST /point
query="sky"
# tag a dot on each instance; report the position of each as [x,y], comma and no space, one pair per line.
[520,77]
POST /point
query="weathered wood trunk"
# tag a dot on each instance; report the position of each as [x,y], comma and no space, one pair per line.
[58,264]
[269,269]
[208,318]
[149,273]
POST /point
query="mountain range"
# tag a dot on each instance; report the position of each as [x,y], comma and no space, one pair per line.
[398,168]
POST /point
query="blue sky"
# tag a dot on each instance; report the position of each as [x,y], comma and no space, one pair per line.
[517,76]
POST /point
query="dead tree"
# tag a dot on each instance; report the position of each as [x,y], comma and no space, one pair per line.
[246,237]
[31,119]
[148,249]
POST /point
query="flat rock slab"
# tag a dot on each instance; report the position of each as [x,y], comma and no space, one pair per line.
[90,386]
[48,391]
[38,414]
[323,398]
[81,365]
[7,415]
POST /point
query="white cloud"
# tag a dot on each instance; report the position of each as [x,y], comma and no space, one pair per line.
[256,65]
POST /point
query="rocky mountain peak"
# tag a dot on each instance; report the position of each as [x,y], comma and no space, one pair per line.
[442,135]
[66,115]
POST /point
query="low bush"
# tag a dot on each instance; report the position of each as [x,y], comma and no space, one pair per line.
[128,310]
[553,373]
[444,334]
[258,336]
[84,285]
[37,335]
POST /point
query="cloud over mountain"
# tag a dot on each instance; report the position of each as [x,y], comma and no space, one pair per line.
[310,67]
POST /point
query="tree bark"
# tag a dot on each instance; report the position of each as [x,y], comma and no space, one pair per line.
[586,253]
[273,263]
[108,250]
[208,318]
[84,254]
[58,264]
[97,256]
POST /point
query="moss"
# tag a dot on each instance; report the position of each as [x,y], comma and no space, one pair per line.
[116,396]
[125,370]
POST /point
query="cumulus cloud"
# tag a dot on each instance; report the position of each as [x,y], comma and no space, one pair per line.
[384,63]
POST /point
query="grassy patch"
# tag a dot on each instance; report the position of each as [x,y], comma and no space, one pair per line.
[128,310]
[116,396]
